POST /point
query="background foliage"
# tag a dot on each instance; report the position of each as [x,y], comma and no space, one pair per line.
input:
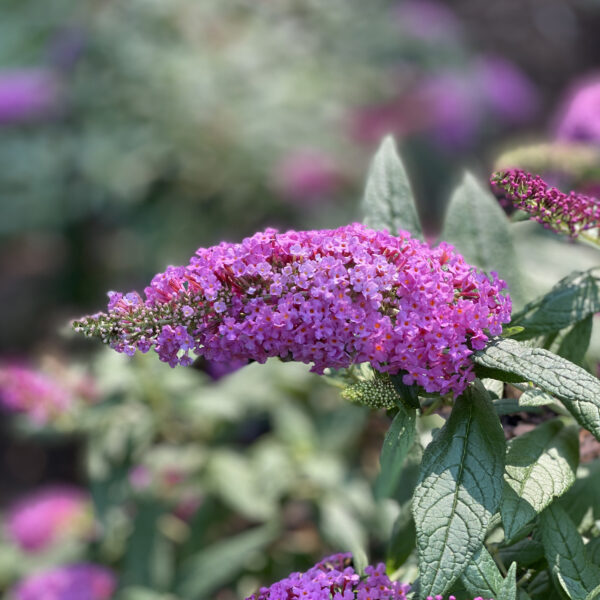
[163,126]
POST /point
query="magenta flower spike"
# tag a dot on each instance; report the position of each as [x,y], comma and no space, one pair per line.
[571,213]
[330,297]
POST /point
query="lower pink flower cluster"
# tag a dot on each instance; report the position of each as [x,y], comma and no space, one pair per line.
[334,579]
[328,297]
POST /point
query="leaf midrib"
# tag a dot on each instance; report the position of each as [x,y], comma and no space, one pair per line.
[458,482]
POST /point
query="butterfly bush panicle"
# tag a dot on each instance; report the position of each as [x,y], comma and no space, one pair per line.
[41,519]
[328,297]
[83,581]
[334,579]
[569,213]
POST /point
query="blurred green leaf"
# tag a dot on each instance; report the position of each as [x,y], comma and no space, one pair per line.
[398,441]
[531,400]
[479,229]
[403,539]
[584,495]
[233,477]
[575,343]
[220,562]
[388,202]
[143,546]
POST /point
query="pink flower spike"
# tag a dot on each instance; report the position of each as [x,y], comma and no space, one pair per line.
[570,213]
[332,298]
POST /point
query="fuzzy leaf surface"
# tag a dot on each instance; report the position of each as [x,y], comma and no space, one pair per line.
[571,300]
[577,389]
[482,576]
[508,589]
[388,202]
[566,554]
[540,466]
[459,490]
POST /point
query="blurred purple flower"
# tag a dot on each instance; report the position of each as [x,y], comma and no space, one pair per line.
[427,20]
[307,175]
[579,116]
[25,390]
[369,124]
[453,106]
[450,107]
[28,95]
[70,582]
[56,513]
[140,477]
[505,89]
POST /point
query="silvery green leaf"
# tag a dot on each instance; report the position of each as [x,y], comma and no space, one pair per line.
[388,202]
[398,441]
[202,573]
[508,588]
[459,490]
[540,466]
[482,576]
[570,301]
[577,389]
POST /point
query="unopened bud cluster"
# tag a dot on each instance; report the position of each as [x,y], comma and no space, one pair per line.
[328,297]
